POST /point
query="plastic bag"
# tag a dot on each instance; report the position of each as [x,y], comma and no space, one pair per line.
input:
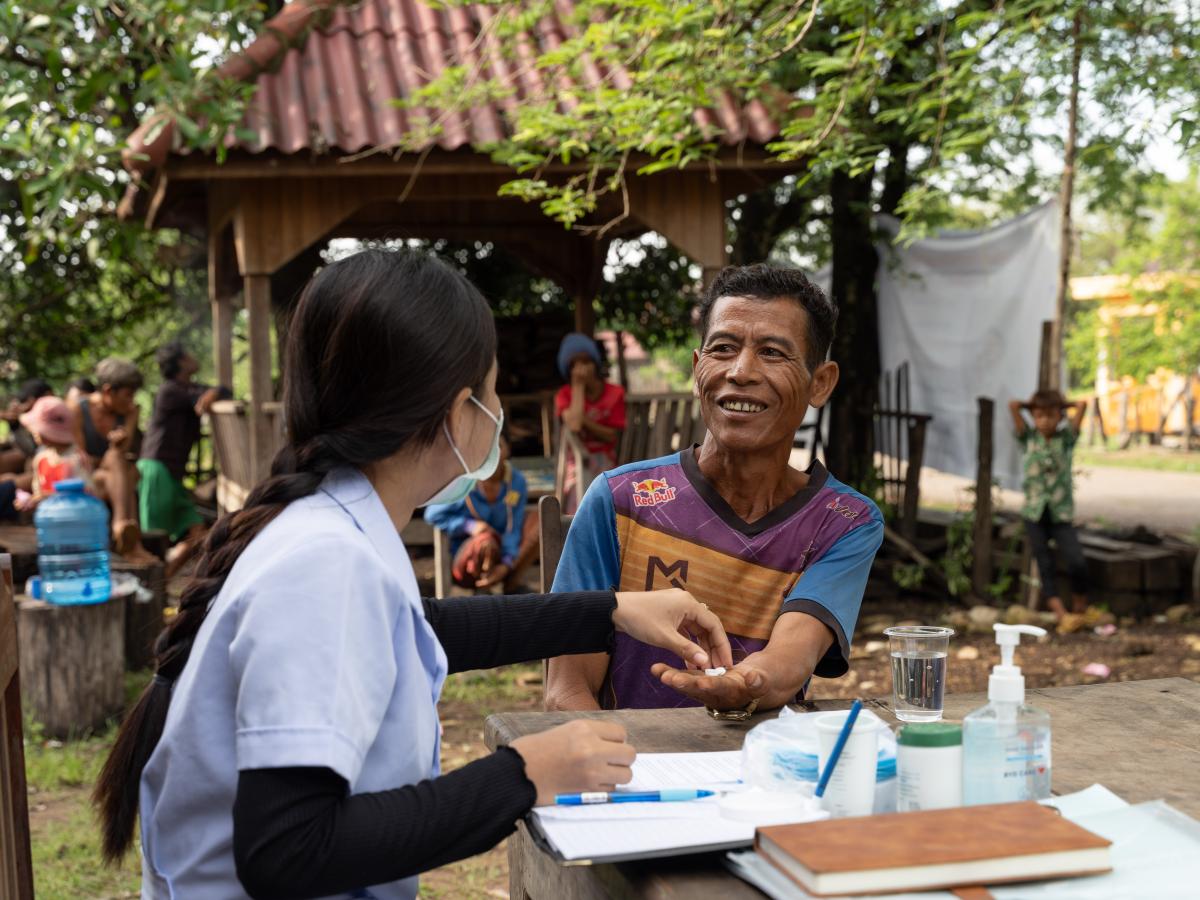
[781,755]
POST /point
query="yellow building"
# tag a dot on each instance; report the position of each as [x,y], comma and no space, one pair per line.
[1125,404]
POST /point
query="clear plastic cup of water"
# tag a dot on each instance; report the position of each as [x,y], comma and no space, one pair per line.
[918,670]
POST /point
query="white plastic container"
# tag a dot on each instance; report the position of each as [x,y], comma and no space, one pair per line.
[928,766]
[851,788]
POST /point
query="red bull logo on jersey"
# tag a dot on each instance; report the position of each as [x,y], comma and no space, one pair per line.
[847,512]
[652,492]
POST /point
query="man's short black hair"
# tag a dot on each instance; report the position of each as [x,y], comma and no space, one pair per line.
[83,384]
[168,357]
[767,282]
[34,389]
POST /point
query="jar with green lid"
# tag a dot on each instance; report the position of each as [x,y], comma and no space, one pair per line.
[929,766]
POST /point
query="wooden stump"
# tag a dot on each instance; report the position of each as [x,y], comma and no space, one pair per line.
[72,664]
[156,541]
[143,618]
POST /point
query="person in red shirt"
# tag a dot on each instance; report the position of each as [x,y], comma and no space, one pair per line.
[590,407]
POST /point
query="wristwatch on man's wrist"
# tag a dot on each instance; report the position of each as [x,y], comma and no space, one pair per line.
[740,714]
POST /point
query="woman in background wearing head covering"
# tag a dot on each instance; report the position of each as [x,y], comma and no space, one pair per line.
[590,407]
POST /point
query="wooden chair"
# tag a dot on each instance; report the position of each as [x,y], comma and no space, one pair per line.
[553,527]
[658,424]
[16,864]
[570,448]
[655,425]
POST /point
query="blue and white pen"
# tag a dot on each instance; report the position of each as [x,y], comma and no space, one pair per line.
[668,796]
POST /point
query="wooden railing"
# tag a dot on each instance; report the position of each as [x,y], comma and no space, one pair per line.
[231,446]
[658,424]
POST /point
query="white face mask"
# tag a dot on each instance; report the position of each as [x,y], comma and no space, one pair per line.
[462,484]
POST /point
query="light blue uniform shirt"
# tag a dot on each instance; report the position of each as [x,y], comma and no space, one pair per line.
[316,652]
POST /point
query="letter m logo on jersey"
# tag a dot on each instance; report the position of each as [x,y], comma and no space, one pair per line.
[658,567]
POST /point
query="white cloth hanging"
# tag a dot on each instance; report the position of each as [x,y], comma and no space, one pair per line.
[965,310]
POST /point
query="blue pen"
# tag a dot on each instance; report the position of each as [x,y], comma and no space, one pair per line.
[667,796]
[855,707]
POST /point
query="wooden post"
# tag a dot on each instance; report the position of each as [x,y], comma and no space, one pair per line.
[222,313]
[143,618]
[912,479]
[1045,358]
[981,570]
[1189,412]
[258,308]
[585,315]
[1066,196]
[622,366]
[1123,407]
[709,274]
[1096,423]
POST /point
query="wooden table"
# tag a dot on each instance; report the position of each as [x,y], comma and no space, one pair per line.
[1141,739]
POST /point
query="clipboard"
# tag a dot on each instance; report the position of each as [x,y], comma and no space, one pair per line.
[615,833]
[534,829]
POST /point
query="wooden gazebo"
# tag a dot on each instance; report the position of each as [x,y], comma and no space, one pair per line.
[325,76]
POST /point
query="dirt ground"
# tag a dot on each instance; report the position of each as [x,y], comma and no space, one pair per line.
[1151,650]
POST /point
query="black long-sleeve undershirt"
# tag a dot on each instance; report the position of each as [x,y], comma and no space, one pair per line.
[298,833]
[487,631]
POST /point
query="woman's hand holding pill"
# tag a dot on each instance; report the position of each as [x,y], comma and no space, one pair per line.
[676,621]
[583,755]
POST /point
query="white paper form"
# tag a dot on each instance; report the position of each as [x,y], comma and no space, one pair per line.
[627,830]
[704,771]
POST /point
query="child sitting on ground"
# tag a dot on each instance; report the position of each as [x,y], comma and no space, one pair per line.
[57,459]
[1049,499]
[492,535]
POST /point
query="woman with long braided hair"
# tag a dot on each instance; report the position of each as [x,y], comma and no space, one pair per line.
[288,743]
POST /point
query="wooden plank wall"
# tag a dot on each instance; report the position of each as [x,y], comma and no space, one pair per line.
[16,866]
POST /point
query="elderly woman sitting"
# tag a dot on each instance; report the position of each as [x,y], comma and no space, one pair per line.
[590,407]
[782,556]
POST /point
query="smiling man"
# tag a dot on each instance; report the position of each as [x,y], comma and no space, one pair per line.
[782,556]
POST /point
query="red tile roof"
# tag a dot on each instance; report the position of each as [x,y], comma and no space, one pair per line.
[327,74]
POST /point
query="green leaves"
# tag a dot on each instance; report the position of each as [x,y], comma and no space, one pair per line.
[975,87]
[75,80]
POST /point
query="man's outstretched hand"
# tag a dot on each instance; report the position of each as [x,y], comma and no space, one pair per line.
[733,690]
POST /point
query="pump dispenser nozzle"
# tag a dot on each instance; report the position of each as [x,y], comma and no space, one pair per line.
[1006,683]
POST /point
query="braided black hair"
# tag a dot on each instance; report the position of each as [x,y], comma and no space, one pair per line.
[380,344]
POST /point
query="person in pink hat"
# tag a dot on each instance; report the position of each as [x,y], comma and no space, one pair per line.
[58,459]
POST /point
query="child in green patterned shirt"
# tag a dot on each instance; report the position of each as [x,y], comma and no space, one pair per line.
[1049,501]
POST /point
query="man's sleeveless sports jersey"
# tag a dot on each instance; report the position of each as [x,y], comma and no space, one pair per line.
[660,524]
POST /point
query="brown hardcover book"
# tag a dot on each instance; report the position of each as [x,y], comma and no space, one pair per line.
[944,848]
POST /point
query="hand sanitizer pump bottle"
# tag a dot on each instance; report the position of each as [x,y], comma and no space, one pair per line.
[1006,744]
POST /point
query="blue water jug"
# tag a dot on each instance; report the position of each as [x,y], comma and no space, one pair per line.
[72,535]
